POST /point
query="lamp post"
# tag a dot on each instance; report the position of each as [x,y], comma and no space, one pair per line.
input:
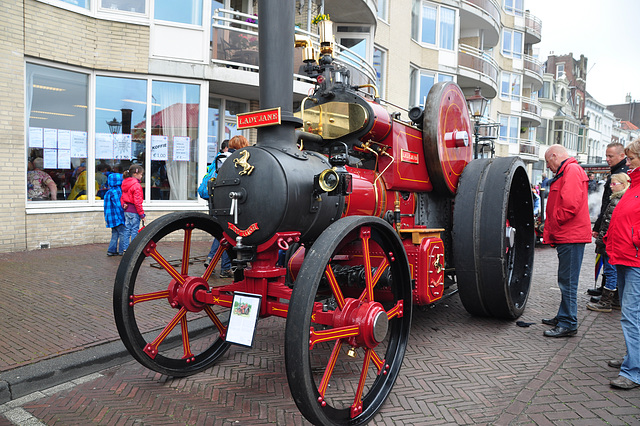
[114,126]
[477,105]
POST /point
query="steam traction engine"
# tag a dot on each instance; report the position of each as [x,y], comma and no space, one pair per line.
[341,218]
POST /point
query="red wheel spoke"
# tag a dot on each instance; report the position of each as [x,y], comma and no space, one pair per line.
[216,321]
[356,408]
[324,383]
[376,360]
[137,298]
[332,334]
[150,250]
[365,234]
[213,263]
[186,347]
[186,249]
[396,311]
[151,349]
[379,271]
[337,293]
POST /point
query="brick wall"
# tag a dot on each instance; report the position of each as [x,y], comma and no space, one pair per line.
[84,41]
[12,151]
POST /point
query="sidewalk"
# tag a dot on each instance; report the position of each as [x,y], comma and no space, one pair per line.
[57,325]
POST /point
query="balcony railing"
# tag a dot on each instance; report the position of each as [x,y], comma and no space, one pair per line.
[489,6]
[532,106]
[477,60]
[235,44]
[533,65]
[533,24]
[528,147]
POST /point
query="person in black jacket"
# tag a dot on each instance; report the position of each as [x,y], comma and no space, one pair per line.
[617,161]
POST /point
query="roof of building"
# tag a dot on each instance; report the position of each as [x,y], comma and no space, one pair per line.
[627,125]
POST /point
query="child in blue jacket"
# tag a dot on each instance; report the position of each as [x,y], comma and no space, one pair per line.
[114,214]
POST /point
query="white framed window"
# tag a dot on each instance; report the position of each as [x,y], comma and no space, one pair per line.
[356,38]
[380,65]
[510,86]
[421,83]
[433,24]
[132,6]
[509,128]
[512,43]
[559,71]
[223,126]
[514,7]
[383,10]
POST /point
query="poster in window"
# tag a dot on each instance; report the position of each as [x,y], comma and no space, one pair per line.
[64,139]
[122,147]
[35,137]
[50,158]
[159,145]
[50,138]
[181,148]
[104,146]
[212,151]
[245,308]
[78,144]
[64,159]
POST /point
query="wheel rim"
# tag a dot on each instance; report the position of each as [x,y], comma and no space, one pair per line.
[329,320]
[156,312]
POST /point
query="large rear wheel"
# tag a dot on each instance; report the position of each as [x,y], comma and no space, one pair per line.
[493,237]
[348,322]
[154,304]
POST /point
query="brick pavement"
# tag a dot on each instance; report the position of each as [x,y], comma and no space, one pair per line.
[458,369]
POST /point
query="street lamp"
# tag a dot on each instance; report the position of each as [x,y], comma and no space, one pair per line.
[477,106]
[114,126]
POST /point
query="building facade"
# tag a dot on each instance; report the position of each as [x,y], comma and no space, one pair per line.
[94,86]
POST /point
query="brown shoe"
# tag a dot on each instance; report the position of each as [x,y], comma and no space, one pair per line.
[604,304]
[615,363]
[622,382]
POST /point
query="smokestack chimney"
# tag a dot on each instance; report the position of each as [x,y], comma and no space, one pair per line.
[276,48]
[627,98]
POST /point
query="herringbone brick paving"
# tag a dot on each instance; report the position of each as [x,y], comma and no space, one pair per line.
[458,369]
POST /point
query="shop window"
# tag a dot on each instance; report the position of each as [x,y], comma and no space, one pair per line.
[175,113]
[121,105]
[56,108]
[224,127]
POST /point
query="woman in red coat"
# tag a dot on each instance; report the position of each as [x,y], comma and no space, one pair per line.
[623,245]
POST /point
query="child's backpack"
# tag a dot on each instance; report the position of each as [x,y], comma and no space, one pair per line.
[212,173]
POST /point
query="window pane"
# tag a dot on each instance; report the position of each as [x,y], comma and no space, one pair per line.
[121,105]
[428,24]
[379,58]
[515,86]
[382,9]
[136,6]
[214,120]
[80,3]
[444,77]
[426,83]
[230,120]
[185,11]
[175,120]
[506,42]
[517,44]
[504,84]
[57,137]
[447,28]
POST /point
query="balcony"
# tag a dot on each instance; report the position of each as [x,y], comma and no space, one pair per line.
[529,150]
[530,113]
[533,28]
[481,15]
[234,46]
[477,69]
[533,70]
[360,11]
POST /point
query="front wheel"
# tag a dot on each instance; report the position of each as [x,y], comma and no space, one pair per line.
[346,332]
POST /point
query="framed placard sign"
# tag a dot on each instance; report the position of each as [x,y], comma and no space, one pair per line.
[245,308]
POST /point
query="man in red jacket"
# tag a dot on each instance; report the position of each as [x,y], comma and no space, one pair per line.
[568,229]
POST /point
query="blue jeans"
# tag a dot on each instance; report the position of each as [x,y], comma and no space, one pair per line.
[132,225]
[629,292]
[225,260]
[610,273]
[569,263]
[117,233]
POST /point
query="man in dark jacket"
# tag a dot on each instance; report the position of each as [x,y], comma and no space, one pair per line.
[617,161]
[568,229]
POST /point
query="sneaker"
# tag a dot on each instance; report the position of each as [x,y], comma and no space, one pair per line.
[623,383]
[226,274]
[615,363]
[111,254]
